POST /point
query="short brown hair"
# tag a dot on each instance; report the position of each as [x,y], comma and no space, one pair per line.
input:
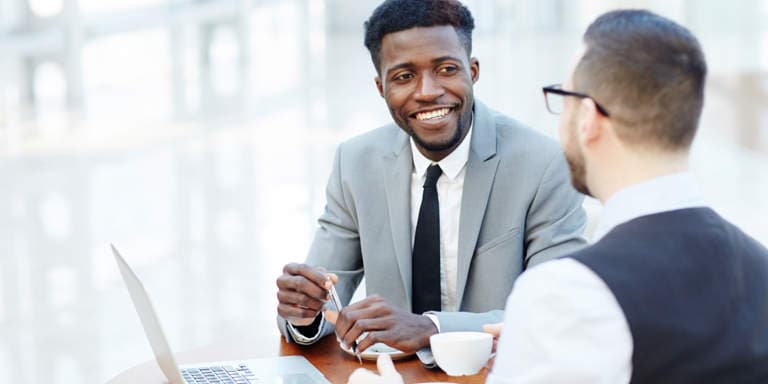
[649,73]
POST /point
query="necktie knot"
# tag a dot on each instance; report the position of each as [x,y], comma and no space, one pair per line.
[433,173]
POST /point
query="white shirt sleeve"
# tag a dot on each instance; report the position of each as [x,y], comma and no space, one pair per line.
[302,339]
[563,325]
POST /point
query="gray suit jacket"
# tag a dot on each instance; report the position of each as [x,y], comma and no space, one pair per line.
[518,209]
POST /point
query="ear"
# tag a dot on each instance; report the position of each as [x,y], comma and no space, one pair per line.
[379,85]
[590,127]
[474,69]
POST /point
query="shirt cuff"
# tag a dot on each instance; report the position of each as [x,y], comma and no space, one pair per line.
[425,354]
[434,319]
[300,338]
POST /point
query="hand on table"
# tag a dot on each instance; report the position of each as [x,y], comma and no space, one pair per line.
[302,291]
[495,330]
[384,324]
[387,373]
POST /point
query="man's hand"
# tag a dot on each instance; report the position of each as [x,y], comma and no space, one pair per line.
[495,330]
[384,324]
[387,373]
[301,292]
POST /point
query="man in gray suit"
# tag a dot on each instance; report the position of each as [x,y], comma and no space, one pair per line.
[442,210]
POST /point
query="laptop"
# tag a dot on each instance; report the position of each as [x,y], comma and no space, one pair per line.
[283,369]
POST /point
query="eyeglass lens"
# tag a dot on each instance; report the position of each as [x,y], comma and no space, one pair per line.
[555,102]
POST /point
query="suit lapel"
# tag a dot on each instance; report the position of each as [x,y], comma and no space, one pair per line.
[478,180]
[398,166]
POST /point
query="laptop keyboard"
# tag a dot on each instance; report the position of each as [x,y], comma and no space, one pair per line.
[235,374]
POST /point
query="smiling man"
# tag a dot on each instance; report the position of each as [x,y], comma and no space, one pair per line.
[440,211]
[435,110]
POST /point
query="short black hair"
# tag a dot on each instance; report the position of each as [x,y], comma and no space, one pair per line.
[399,15]
[649,72]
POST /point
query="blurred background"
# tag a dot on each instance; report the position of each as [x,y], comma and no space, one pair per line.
[197,137]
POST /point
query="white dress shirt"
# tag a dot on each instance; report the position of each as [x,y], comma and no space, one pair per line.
[563,324]
[450,187]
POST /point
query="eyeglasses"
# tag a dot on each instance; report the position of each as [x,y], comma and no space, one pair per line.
[555,103]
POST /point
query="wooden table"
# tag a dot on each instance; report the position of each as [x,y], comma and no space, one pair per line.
[325,355]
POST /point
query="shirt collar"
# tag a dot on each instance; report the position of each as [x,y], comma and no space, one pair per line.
[660,194]
[451,164]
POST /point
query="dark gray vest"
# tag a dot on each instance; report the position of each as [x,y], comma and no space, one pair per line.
[694,290]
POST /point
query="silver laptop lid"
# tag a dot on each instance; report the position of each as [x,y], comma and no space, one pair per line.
[149,321]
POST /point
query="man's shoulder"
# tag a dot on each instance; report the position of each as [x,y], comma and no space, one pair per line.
[523,147]
[516,136]
[558,279]
[652,236]
[378,141]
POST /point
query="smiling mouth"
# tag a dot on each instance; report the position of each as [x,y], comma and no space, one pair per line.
[432,115]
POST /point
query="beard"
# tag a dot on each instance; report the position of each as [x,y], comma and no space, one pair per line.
[437,147]
[463,122]
[576,164]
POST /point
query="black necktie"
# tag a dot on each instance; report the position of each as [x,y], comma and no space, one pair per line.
[426,248]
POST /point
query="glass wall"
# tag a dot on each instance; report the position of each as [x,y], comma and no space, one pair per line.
[197,137]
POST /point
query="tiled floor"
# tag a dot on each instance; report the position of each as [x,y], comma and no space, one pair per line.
[209,184]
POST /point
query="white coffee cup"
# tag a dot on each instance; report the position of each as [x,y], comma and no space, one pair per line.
[461,353]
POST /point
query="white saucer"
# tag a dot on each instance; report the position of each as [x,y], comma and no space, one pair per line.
[373,352]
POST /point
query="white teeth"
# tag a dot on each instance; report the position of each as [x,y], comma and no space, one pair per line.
[432,114]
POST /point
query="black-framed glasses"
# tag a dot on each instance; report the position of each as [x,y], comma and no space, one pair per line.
[555,103]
